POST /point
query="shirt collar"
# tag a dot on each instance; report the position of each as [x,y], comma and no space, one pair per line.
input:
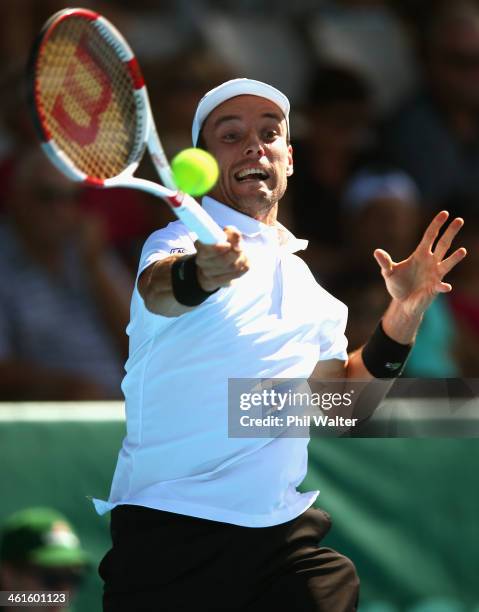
[225,215]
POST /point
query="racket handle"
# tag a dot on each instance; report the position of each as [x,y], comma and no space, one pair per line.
[196,219]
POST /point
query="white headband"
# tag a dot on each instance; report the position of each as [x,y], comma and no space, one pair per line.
[231,89]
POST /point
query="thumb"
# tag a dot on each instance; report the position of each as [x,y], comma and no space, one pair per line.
[384,260]
[233,236]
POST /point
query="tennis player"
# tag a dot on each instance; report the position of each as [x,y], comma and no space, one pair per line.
[200,520]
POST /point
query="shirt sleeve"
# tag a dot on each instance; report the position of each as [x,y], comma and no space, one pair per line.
[332,339]
[175,238]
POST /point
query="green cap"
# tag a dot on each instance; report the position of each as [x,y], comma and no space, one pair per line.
[41,536]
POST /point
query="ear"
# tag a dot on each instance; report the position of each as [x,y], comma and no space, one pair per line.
[290,169]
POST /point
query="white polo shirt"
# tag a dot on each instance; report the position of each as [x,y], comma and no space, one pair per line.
[273,322]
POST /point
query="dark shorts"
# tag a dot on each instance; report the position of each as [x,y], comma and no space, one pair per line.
[168,562]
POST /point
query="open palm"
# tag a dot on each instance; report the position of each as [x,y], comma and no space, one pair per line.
[416,280]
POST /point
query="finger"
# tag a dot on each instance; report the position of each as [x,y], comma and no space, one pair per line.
[443,288]
[233,236]
[210,251]
[432,231]
[205,252]
[222,263]
[238,263]
[223,280]
[237,267]
[384,260]
[444,243]
[448,264]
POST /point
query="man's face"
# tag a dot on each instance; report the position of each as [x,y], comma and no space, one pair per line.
[248,137]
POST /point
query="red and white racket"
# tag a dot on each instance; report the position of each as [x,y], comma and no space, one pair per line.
[92,112]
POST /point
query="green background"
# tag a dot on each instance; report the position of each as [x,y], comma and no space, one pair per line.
[405,510]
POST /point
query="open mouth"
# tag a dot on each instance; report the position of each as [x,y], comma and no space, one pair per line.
[251,174]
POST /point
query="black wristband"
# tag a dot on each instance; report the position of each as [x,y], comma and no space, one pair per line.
[184,281]
[383,356]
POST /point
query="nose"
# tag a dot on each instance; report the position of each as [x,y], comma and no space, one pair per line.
[254,146]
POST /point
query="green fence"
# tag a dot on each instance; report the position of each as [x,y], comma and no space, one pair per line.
[405,510]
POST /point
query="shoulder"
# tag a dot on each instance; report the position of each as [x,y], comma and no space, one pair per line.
[331,307]
[328,306]
[174,238]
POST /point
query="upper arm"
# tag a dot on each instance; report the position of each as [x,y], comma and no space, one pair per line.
[330,369]
[154,271]
[161,268]
[332,338]
[155,288]
[164,246]
[352,367]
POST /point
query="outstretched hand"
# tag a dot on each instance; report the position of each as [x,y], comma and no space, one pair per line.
[416,280]
[219,264]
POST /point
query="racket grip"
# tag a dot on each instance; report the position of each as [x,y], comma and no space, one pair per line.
[196,219]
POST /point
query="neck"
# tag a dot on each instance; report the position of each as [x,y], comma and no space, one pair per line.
[267,215]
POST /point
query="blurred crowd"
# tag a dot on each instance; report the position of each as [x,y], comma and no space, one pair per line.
[385,131]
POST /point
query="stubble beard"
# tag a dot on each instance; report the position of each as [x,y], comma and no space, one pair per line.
[260,206]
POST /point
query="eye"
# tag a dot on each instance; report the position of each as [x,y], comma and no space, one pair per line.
[269,135]
[229,137]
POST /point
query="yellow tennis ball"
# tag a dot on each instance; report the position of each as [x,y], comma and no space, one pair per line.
[195,171]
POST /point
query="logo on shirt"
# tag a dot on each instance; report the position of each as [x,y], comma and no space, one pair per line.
[177,251]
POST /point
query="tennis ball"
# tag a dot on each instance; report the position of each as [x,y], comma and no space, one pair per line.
[195,171]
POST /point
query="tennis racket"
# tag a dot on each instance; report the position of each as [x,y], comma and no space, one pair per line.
[91,110]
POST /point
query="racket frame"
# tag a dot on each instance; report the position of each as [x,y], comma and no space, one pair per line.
[183,205]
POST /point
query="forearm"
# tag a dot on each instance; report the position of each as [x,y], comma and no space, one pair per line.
[177,284]
[399,326]
[155,287]
[355,367]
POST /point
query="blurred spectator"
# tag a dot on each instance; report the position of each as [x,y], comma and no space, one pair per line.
[127,216]
[381,204]
[177,85]
[464,298]
[63,297]
[39,551]
[435,137]
[337,138]
[267,48]
[382,210]
[367,36]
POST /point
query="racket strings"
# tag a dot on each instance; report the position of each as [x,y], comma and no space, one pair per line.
[88,100]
